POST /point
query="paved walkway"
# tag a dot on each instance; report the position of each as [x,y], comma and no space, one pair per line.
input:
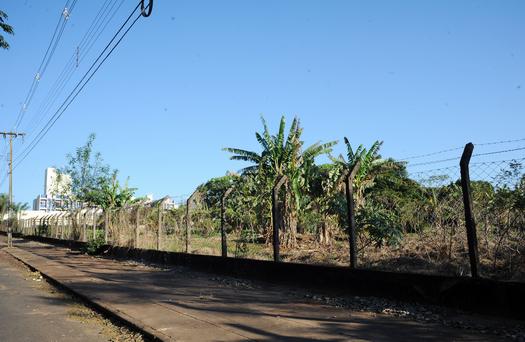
[30,310]
[184,305]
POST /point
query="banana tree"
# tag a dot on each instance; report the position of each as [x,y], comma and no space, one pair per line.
[283,155]
[370,165]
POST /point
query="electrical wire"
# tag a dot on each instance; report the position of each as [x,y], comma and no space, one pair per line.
[78,88]
[48,56]
[88,40]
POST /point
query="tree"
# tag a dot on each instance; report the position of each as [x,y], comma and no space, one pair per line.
[109,194]
[86,169]
[6,28]
[371,165]
[283,155]
[377,218]
[4,204]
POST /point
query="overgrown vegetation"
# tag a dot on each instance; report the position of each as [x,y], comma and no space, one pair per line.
[404,222]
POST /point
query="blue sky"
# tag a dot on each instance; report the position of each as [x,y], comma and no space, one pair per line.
[196,76]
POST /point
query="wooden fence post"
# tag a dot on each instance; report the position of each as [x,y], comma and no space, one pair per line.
[350,211]
[224,242]
[276,218]
[470,223]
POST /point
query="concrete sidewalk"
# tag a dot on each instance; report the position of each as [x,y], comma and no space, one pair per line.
[184,305]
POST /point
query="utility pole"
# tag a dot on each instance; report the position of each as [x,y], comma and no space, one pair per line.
[11,135]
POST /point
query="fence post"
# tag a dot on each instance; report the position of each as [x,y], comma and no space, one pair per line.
[350,211]
[470,223]
[137,220]
[188,220]
[276,217]
[188,225]
[159,226]
[224,243]
[84,227]
[106,225]
[94,224]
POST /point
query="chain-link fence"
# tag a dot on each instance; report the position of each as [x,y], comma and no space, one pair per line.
[498,189]
[416,224]
[408,218]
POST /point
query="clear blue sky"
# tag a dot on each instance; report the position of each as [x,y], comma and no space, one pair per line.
[195,76]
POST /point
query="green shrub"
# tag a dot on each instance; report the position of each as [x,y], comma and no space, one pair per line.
[94,246]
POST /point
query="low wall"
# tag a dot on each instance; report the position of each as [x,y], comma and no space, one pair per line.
[479,295]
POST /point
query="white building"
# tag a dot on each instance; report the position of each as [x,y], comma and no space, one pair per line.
[56,192]
[57,184]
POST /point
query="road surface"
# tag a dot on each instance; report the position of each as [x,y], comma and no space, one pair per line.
[32,310]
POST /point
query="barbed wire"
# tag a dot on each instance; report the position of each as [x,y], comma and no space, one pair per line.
[461,148]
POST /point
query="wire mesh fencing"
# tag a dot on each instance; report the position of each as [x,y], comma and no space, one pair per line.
[407,219]
[415,223]
[498,189]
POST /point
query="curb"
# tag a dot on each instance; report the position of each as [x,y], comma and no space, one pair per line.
[103,308]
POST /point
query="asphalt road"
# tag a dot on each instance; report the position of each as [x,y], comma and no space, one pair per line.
[32,310]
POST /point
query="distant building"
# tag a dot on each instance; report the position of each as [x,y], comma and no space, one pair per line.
[167,202]
[56,192]
[57,184]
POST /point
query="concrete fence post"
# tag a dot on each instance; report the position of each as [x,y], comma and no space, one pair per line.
[159,227]
[224,241]
[276,218]
[137,226]
[350,211]
[106,225]
[470,223]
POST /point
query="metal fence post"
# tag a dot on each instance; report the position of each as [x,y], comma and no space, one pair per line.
[276,218]
[349,187]
[224,242]
[470,223]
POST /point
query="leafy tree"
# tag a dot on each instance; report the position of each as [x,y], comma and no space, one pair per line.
[87,171]
[370,162]
[283,155]
[109,194]
[4,204]
[6,28]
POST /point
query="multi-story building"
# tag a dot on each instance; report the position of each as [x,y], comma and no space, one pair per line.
[56,192]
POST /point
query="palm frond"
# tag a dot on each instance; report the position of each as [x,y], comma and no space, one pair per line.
[280,135]
[266,133]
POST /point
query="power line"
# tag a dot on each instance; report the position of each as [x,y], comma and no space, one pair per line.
[69,69]
[50,51]
[74,93]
